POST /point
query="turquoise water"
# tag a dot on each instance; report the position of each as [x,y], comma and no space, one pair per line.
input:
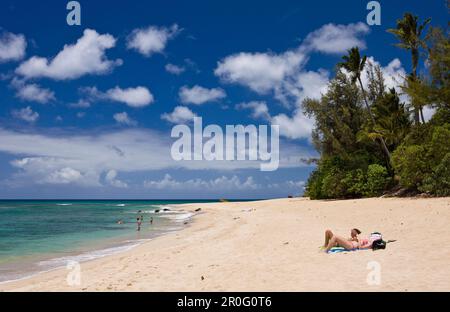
[41,235]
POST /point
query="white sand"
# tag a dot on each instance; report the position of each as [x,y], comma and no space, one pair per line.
[273,246]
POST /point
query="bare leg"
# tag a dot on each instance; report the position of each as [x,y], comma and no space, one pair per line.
[339,241]
[328,236]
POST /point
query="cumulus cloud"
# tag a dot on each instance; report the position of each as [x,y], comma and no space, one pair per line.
[32,92]
[12,47]
[259,109]
[152,39]
[111,179]
[336,39]
[174,69]
[41,158]
[26,114]
[123,118]
[63,176]
[199,95]
[261,72]
[298,126]
[86,56]
[180,114]
[283,75]
[222,183]
[134,97]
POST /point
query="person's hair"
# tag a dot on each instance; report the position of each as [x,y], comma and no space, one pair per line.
[357,231]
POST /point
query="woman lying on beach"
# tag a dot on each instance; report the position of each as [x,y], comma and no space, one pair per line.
[352,243]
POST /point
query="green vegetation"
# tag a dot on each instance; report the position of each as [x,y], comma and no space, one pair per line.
[369,141]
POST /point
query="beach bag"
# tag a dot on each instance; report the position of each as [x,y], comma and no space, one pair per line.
[378,242]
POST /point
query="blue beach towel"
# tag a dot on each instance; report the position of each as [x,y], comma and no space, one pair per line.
[341,249]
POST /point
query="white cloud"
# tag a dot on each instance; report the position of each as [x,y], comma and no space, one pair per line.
[284,76]
[222,183]
[26,114]
[32,92]
[180,114]
[123,118]
[40,156]
[296,127]
[296,186]
[428,113]
[199,95]
[134,97]
[265,72]
[49,170]
[302,85]
[261,72]
[64,176]
[174,69]
[12,47]
[86,56]
[111,179]
[259,109]
[150,40]
[336,39]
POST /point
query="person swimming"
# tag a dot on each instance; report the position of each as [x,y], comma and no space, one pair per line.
[352,243]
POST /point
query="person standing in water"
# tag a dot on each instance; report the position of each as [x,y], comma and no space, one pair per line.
[151,220]
[139,222]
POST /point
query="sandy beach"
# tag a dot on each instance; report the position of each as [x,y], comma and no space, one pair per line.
[274,246]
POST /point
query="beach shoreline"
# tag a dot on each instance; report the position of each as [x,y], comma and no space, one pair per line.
[18,267]
[273,245]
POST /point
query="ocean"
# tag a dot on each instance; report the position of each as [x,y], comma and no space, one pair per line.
[37,236]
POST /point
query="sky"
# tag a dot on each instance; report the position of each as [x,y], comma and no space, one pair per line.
[86,111]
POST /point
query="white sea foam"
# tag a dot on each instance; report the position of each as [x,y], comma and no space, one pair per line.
[180,216]
[91,255]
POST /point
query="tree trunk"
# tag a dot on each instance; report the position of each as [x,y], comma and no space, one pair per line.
[415,61]
[383,143]
[421,115]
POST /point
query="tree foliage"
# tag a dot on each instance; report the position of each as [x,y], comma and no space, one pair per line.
[352,122]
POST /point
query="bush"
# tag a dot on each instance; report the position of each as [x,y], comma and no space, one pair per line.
[332,184]
[377,180]
[420,161]
[355,183]
[438,183]
[410,164]
[314,185]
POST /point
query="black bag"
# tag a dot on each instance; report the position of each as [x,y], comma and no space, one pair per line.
[378,243]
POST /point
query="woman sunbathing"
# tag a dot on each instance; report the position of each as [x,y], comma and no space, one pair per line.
[352,243]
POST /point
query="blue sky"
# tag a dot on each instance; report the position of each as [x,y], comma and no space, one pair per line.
[86,111]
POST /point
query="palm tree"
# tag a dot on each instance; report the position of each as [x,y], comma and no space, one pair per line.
[354,64]
[409,33]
